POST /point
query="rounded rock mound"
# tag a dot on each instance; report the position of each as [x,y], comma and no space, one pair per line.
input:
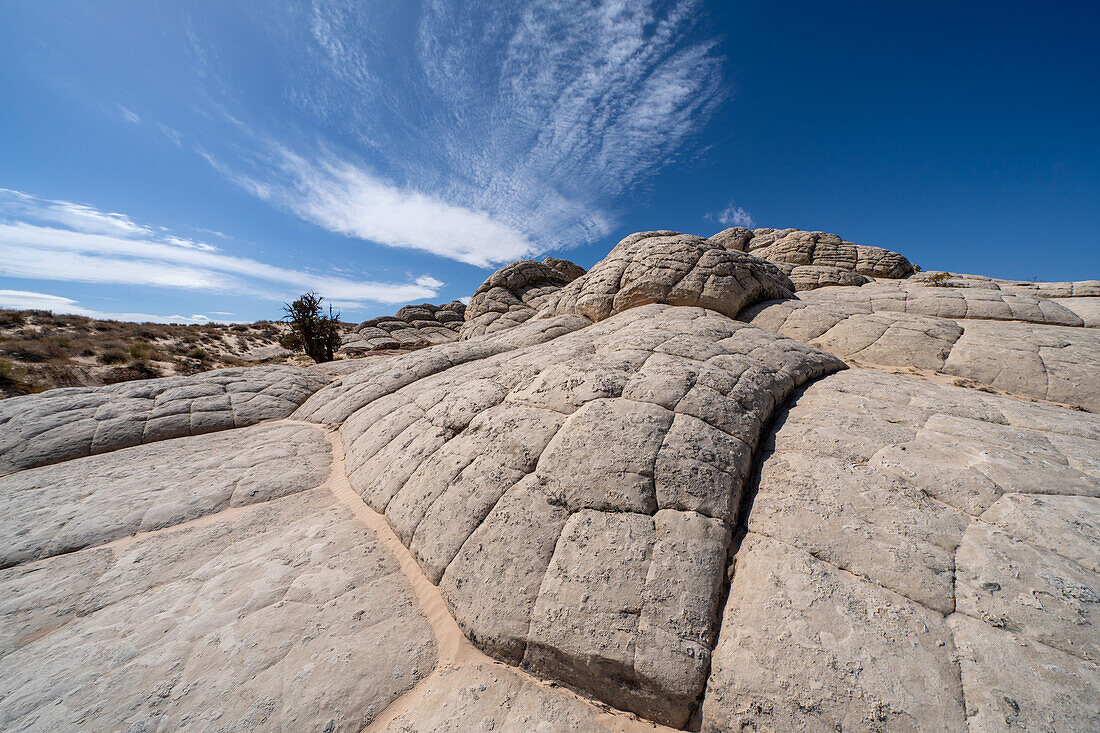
[693,520]
[413,326]
[794,249]
[514,293]
[674,269]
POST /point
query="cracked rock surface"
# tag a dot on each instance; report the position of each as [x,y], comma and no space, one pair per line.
[287,616]
[79,421]
[514,293]
[413,326]
[902,296]
[795,248]
[574,500]
[912,547]
[88,501]
[486,697]
[1021,344]
[674,269]
[651,493]
[334,403]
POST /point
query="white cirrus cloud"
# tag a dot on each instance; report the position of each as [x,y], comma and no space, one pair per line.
[59,240]
[129,115]
[349,200]
[79,217]
[504,129]
[30,300]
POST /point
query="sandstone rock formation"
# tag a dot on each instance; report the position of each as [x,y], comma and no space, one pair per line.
[647,495]
[514,293]
[68,423]
[289,615]
[1022,344]
[816,258]
[491,473]
[90,501]
[901,529]
[671,268]
[413,326]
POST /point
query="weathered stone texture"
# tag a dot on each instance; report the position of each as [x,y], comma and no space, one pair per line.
[88,501]
[557,492]
[1015,683]
[1010,584]
[413,326]
[69,423]
[884,505]
[288,616]
[336,402]
[673,269]
[805,646]
[487,698]
[886,338]
[885,326]
[812,277]
[1078,289]
[797,247]
[903,296]
[1046,362]
[610,483]
[514,293]
[1087,309]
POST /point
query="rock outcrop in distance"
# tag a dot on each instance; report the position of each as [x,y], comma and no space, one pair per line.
[767,480]
[412,327]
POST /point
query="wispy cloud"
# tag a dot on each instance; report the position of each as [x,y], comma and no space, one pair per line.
[29,300]
[502,129]
[18,205]
[60,240]
[213,232]
[129,115]
[732,216]
[172,134]
[348,200]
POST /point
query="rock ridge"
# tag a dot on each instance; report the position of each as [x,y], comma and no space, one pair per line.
[413,326]
[655,483]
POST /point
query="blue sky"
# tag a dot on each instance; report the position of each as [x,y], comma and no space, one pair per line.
[197,160]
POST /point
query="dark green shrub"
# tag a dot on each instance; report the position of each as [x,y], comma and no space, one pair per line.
[291,341]
[318,333]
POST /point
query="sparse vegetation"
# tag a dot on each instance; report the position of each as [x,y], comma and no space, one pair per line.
[113,356]
[40,350]
[11,318]
[10,374]
[938,279]
[130,372]
[37,351]
[290,341]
